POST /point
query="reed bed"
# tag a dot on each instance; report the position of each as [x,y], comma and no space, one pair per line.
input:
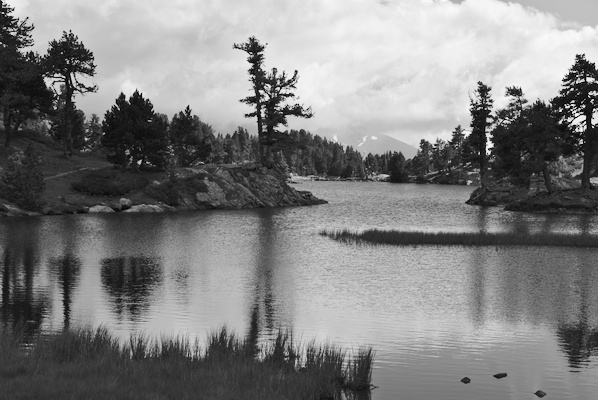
[415,238]
[92,364]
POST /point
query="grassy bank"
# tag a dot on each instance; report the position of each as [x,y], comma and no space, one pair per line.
[92,364]
[406,238]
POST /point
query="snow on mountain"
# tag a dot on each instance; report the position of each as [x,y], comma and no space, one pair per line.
[381,144]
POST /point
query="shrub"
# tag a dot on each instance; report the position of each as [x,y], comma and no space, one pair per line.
[23,179]
[110,182]
[166,192]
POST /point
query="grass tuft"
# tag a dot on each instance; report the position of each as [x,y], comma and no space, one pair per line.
[414,238]
[92,364]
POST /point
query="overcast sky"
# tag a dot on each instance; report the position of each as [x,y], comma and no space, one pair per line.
[399,67]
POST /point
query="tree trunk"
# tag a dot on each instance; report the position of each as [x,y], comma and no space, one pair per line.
[547,180]
[588,153]
[260,133]
[483,159]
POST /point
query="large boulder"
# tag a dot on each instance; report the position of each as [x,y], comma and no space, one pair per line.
[125,204]
[100,209]
[145,208]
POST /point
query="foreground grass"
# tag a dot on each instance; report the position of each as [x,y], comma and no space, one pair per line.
[91,364]
[406,238]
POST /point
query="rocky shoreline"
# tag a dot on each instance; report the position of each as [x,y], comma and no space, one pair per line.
[201,188]
[567,198]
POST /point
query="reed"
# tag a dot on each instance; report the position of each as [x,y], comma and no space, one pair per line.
[415,238]
[90,363]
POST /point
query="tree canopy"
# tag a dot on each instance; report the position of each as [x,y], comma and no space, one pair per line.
[271,91]
[577,104]
[66,62]
[23,91]
[134,135]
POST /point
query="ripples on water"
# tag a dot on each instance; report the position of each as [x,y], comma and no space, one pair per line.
[433,314]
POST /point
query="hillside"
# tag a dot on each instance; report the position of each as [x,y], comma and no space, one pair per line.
[103,188]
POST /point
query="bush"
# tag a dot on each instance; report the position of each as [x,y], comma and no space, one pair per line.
[110,182]
[166,192]
[23,179]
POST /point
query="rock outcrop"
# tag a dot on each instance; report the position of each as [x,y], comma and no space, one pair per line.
[201,188]
[567,198]
[235,187]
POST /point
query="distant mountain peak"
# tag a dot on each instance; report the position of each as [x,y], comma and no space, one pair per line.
[381,144]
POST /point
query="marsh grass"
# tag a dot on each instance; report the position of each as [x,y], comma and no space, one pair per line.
[414,238]
[92,364]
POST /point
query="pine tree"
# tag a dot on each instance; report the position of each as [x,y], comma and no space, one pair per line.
[481,118]
[577,103]
[66,62]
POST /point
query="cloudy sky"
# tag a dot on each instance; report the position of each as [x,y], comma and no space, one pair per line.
[404,68]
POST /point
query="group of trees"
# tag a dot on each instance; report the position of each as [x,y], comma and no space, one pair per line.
[24,93]
[526,138]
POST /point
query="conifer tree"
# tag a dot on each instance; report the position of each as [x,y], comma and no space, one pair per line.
[66,61]
[481,118]
[577,104]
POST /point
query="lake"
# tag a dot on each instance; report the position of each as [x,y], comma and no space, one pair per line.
[433,314]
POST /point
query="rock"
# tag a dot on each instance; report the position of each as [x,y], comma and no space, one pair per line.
[51,211]
[14,211]
[116,206]
[100,209]
[540,393]
[125,204]
[466,380]
[500,375]
[168,208]
[145,208]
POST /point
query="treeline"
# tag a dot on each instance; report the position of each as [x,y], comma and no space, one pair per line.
[524,139]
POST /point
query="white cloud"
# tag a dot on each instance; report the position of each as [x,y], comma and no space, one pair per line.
[399,67]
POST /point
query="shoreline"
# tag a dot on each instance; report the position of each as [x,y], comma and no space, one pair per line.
[207,187]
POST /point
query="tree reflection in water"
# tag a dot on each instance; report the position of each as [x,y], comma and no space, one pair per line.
[579,342]
[24,304]
[130,282]
[66,269]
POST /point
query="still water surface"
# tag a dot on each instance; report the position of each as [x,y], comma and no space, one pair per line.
[433,314]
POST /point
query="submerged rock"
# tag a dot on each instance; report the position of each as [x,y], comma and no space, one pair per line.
[466,380]
[500,375]
[540,393]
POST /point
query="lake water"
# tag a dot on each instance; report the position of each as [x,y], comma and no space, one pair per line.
[433,314]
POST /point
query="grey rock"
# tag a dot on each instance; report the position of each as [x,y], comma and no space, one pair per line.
[145,208]
[100,209]
[125,204]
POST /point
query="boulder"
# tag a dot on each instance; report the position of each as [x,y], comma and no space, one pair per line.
[125,204]
[51,211]
[100,209]
[145,208]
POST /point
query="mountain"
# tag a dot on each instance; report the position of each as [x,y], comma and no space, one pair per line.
[380,144]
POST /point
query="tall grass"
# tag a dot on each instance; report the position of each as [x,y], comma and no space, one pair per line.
[90,363]
[414,238]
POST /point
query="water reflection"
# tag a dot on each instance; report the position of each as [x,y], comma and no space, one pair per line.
[579,339]
[24,303]
[67,270]
[131,282]
[539,286]
[579,343]
[262,310]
